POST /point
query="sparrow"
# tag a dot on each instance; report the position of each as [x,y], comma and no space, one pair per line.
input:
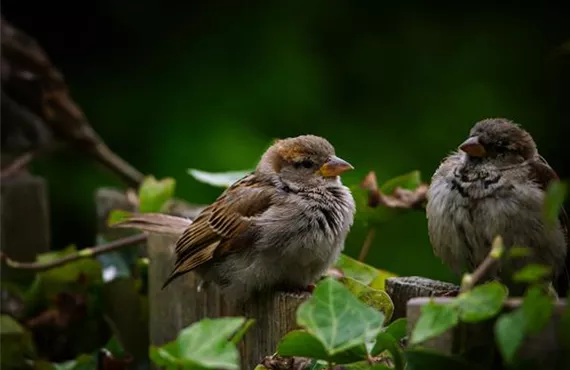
[278,228]
[495,185]
[38,113]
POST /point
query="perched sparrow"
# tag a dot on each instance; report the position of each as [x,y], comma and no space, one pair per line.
[38,112]
[278,228]
[495,186]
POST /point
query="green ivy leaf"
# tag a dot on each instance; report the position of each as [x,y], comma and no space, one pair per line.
[398,328]
[482,303]
[509,333]
[154,194]
[386,342]
[532,273]
[219,179]
[50,282]
[362,272]
[166,356]
[377,299]
[237,337]
[117,215]
[434,320]
[337,318]
[553,201]
[537,309]
[516,252]
[206,343]
[16,343]
[302,344]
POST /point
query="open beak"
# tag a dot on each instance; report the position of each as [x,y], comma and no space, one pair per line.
[334,167]
[473,147]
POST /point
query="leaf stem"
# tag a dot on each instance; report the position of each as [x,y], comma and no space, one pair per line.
[90,252]
[470,280]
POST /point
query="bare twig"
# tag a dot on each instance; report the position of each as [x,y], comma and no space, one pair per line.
[470,280]
[399,199]
[16,165]
[367,244]
[84,253]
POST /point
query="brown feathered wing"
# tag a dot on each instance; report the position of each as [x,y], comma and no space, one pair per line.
[223,227]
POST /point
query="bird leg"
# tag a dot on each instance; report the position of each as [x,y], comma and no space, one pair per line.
[17,165]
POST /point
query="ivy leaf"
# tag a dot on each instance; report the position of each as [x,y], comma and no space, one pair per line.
[302,344]
[166,356]
[434,320]
[509,333]
[237,337]
[532,273]
[337,318]
[398,328]
[537,309]
[386,342]
[117,215]
[553,201]
[482,303]
[377,299]
[516,252]
[219,179]
[362,272]
[16,345]
[206,343]
[154,194]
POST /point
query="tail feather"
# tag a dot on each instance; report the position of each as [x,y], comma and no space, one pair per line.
[156,223]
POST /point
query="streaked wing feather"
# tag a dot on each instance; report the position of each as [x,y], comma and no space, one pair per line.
[221,224]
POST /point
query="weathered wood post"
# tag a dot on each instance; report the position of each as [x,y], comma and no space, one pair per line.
[402,289]
[122,305]
[25,228]
[180,305]
[544,348]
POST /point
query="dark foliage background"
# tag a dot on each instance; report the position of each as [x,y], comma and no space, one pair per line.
[172,85]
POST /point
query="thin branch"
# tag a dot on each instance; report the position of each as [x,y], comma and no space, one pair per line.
[91,252]
[470,280]
[367,244]
[16,165]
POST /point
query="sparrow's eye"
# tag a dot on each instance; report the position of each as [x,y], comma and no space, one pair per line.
[306,163]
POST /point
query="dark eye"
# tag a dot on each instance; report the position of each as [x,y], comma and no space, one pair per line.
[307,163]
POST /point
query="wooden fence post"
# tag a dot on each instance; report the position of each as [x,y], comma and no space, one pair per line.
[180,305]
[544,348]
[402,289]
[25,227]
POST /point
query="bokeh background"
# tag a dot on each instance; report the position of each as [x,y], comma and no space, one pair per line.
[171,85]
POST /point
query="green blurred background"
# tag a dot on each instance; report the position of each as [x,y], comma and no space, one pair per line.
[176,84]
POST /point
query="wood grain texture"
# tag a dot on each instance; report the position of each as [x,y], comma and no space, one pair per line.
[180,304]
[402,289]
[25,226]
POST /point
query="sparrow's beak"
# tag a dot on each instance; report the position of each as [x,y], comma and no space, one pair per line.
[473,147]
[334,167]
